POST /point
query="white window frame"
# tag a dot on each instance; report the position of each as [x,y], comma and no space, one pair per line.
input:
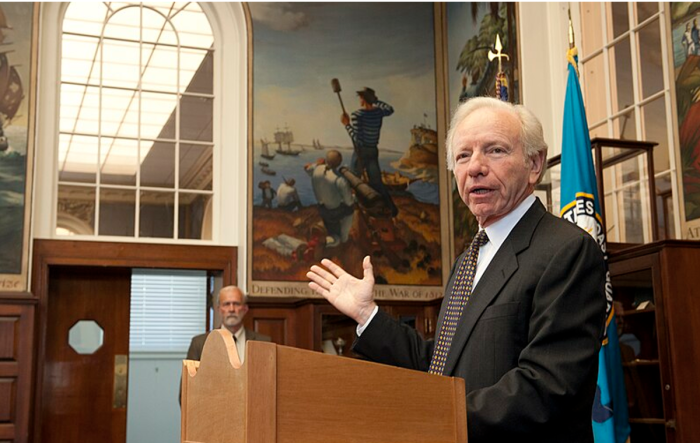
[615,217]
[229,26]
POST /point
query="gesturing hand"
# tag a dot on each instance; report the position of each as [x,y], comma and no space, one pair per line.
[350,295]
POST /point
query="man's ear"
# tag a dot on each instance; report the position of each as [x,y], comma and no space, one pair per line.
[536,164]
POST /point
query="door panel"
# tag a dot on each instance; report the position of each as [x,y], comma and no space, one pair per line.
[77,401]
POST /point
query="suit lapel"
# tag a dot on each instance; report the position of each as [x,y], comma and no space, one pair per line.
[502,267]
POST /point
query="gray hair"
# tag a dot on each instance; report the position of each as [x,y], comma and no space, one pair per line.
[227,289]
[531,134]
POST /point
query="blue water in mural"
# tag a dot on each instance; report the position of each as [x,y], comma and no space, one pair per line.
[12,181]
[287,167]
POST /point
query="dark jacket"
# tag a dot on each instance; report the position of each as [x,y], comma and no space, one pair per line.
[527,342]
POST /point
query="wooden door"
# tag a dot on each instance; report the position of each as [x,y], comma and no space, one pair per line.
[78,402]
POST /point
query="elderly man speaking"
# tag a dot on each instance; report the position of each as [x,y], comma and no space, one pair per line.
[523,310]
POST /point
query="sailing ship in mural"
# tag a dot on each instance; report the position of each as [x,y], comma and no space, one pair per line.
[284,141]
[265,150]
[316,144]
[15,60]
[11,93]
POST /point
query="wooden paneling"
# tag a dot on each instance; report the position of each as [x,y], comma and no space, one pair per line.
[7,431]
[16,339]
[133,255]
[300,323]
[276,322]
[274,327]
[682,306]
[8,338]
[7,399]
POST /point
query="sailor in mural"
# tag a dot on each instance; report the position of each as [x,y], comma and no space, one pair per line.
[268,193]
[334,195]
[287,196]
[687,41]
[364,130]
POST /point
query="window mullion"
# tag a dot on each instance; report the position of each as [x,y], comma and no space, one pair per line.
[606,68]
[98,172]
[178,119]
[639,123]
[139,87]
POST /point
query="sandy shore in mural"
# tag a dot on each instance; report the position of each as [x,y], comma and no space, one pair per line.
[407,252]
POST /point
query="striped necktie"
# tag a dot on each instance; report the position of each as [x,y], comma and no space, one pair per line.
[461,290]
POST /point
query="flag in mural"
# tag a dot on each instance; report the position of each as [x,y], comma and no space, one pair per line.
[501,79]
[581,205]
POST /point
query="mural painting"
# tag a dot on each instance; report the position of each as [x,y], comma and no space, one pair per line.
[471,34]
[17,23]
[686,61]
[343,159]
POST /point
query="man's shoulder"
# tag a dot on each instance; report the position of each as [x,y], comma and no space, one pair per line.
[201,338]
[561,226]
[252,335]
[554,233]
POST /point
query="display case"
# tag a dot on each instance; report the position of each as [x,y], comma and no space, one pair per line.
[636,314]
[315,324]
[658,320]
[337,332]
[624,172]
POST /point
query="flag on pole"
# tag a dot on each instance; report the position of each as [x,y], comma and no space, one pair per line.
[581,205]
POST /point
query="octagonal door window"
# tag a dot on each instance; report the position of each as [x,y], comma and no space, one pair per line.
[86,337]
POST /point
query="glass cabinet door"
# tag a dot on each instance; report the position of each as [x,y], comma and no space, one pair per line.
[636,312]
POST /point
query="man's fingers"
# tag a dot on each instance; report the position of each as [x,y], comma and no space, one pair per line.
[323,273]
[319,280]
[319,290]
[335,269]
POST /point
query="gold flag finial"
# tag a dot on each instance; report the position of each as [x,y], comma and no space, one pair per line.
[572,41]
[499,53]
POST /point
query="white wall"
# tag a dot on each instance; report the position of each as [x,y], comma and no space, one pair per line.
[153,411]
[543,36]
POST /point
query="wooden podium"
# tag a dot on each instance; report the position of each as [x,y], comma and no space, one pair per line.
[288,395]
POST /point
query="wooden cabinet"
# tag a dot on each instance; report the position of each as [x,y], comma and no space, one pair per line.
[315,324]
[657,301]
[16,340]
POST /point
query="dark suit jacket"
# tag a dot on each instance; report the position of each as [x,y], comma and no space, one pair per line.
[197,344]
[527,342]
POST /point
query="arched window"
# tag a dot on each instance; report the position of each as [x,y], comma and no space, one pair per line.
[136,143]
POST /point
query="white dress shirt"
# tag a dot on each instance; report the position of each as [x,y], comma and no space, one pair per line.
[497,234]
[240,339]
